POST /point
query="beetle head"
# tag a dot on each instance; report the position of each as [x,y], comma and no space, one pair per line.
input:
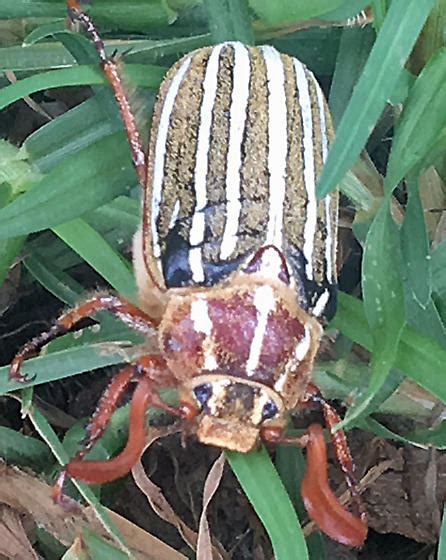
[241,351]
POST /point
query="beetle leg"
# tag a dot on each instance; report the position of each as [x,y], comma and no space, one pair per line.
[111,71]
[339,442]
[149,373]
[128,313]
[316,495]
[321,503]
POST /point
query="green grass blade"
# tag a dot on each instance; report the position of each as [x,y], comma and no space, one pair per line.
[438,260]
[18,449]
[286,11]
[83,181]
[422,122]
[131,15]
[53,279]
[229,21]
[47,433]
[381,74]
[66,363]
[347,10]
[420,358]
[99,549]
[71,132]
[442,544]
[354,48]
[138,74]
[415,248]
[265,491]
[383,303]
[95,250]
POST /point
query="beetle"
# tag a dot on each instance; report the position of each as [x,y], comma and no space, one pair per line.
[235,263]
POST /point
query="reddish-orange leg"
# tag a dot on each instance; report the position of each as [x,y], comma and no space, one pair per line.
[112,73]
[128,313]
[149,373]
[321,503]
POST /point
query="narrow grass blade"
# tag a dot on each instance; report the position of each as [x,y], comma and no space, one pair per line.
[383,303]
[95,250]
[420,358]
[139,74]
[401,28]
[415,247]
[18,449]
[286,11]
[229,21]
[98,548]
[265,491]
[421,124]
[347,10]
[56,281]
[354,48]
[66,363]
[83,181]
[47,433]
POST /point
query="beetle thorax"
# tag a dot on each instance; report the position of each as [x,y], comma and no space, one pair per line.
[239,350]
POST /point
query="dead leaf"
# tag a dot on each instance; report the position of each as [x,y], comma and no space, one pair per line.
[157,500]
[26,493]
[204,544]
[77,550]
[14,542]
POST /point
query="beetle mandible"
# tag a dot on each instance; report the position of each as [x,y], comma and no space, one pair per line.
[235,263]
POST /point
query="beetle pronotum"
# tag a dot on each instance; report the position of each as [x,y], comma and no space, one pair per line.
[235,263]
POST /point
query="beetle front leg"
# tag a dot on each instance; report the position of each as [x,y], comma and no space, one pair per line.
[148,373]
[321,503]
[127,312]
[111,72]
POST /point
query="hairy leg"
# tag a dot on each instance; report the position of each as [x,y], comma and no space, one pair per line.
[320,501]
[128,313]
[149,374]
[112,73]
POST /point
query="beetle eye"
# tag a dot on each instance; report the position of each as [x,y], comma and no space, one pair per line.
[203,393]
[269,410]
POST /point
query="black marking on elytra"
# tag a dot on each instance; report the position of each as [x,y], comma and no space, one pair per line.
[309,291]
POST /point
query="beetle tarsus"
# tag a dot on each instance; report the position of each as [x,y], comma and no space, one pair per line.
[340,445]
[320,501]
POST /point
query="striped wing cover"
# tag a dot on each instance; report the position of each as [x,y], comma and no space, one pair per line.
[239,138]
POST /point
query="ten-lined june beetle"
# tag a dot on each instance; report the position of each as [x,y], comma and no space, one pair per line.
[235,262]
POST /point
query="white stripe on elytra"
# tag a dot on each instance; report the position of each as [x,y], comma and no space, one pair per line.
[196,234]
[277,143]
[327,201]
[237,118]
[160,150]
[320,303]
[264,303]
[309,174]
[199,313]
